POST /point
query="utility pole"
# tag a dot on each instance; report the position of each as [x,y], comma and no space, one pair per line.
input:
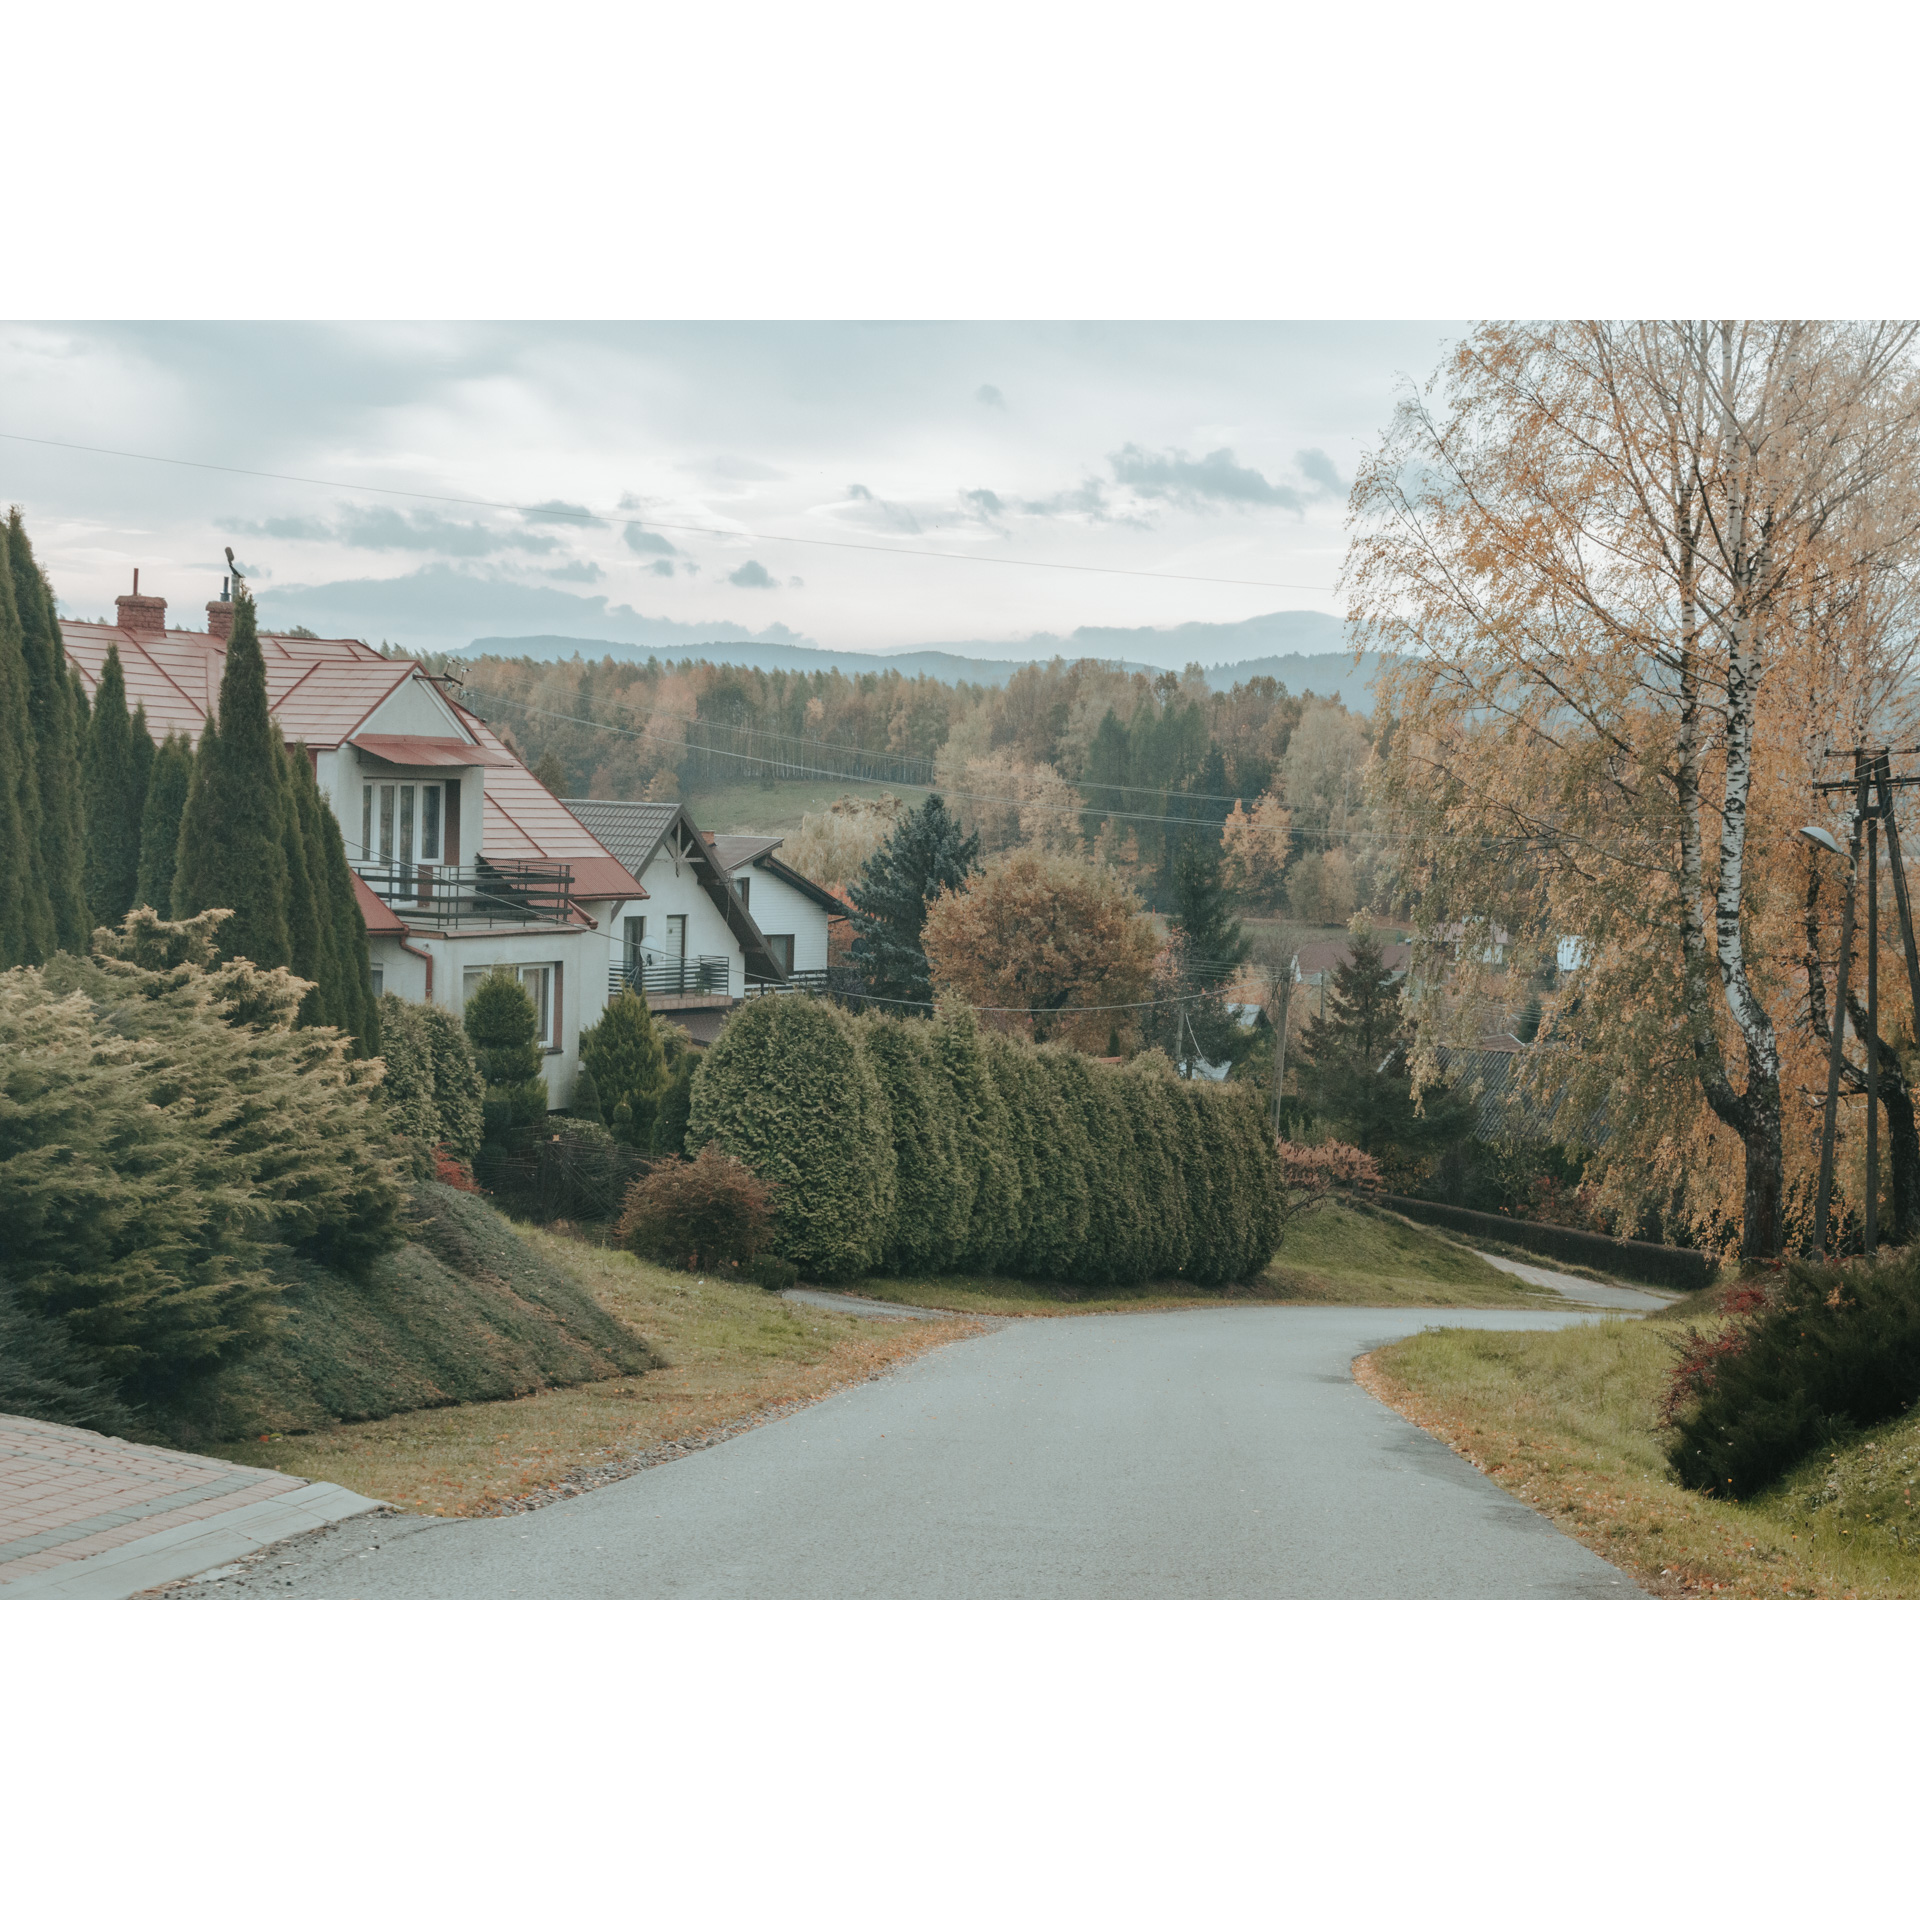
[1280,1037]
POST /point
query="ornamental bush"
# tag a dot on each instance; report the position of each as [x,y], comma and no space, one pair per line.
[504,1029]
[788,1090]
[621,1050]
[984,1137]
[709,1212]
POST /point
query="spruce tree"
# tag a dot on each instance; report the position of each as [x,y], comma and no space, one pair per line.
[115,796]
[305,922]
[232,846]
[160,822]
[924,856]
[56,717]
[26,920]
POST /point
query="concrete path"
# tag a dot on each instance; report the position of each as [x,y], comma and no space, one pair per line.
[83,1517]
[866,1309]
[1225,1453]
[1589,1293]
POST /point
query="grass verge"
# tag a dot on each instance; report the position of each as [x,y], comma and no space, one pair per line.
[1340,1255]
[1567,1421]
[732,1354]
[1336,1255]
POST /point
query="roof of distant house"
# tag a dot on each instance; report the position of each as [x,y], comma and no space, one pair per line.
[1322,956]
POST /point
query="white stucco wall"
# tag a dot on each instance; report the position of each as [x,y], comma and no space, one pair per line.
[668,892]
[779,908]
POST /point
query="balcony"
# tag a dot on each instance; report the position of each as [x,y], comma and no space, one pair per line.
[663,978]
[809,980]
[490,893]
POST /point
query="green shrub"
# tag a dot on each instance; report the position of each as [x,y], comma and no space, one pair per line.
[1116,1248]
[406,1089]
[1147,1091]
[504,1029]
[1836,1350]
[933,1184]
[458,1089]
[1052,1146]
[787,1089]
[44,1375]
[709,1212]
[163,1126]
[622,1051]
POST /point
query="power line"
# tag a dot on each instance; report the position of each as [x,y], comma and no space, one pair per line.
[587,518]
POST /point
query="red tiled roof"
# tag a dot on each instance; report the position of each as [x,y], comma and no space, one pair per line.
[380,917]
[423,750]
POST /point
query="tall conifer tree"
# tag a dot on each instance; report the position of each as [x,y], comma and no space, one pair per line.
[26,921]
[348,983]
[160,822]
[306,920]
[232,843]
[53,717]
[923,856]
[115,795]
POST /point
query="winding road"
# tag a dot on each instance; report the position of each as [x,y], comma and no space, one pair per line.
[1224,1453]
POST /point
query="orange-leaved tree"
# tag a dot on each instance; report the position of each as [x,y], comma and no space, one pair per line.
[1060,945]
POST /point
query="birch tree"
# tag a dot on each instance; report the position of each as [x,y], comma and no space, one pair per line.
[1615,561]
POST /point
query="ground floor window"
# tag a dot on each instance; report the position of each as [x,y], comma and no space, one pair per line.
[543,989]
[379,981]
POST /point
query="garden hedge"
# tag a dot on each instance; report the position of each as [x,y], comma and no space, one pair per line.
[932,1146]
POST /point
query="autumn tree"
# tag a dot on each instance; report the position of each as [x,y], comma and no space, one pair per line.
[1045,938]
[1624,568]
[1254,849]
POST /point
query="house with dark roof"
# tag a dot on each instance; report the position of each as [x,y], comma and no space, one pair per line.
[722,916]
[463,861]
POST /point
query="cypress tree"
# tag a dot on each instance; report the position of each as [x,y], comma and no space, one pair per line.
[160,822]
[923,856]
[115,796]
[348,960]
[232,845]
[26,921]
[306,924]
[56,709]
[993,1172]
[504,1029]
[676,1103]
[933,1195]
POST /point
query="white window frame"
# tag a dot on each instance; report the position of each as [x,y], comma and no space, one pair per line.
[542,989]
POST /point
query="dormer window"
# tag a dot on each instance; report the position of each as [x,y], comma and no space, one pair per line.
[400,821]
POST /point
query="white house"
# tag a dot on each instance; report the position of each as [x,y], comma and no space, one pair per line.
[721,917]
[463,860]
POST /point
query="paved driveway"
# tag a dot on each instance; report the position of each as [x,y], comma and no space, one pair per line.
[1223,1453]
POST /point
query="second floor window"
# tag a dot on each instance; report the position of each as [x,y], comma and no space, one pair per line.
[400,821]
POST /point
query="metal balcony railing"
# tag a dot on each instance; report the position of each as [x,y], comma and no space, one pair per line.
[661,977]
[489,893]
[811,980]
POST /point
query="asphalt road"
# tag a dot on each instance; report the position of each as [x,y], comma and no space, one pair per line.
[1223,1453]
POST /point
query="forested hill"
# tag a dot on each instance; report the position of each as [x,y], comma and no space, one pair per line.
[1325,674]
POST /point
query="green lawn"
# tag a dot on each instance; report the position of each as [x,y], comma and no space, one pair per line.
[763,806]
[1567,1420]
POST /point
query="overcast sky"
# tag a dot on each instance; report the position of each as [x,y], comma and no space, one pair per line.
[1196,449]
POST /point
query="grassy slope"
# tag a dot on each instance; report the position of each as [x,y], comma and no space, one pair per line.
[1567,1420]
[1334,1255]
[759,806]
[466,1310]
[730,1353]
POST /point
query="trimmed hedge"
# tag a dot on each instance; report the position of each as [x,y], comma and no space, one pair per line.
[932,1146]
[1681,1268]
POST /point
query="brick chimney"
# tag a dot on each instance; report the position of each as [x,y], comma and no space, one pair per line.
[220,619]
[141,612]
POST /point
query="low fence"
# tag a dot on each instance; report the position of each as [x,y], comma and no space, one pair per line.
[1681,1269]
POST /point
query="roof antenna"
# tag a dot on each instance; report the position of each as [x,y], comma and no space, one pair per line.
[234,577]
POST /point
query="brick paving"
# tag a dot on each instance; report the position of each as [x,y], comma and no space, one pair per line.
[66,1495]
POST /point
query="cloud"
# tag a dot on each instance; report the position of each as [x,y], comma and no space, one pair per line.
[731,467]
[386,530]
[752,574]
[662,567]
[585,571]
[1320,470]
[1215,479]
[641,541]
[991,397]
[884,516]
[985,502]
[794,580]
[569,509]
[1088,499]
